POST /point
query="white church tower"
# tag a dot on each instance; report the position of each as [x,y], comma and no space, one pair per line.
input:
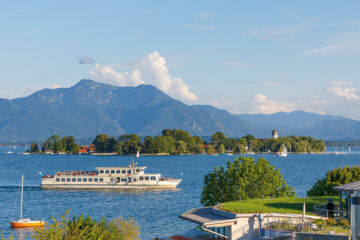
[275,134]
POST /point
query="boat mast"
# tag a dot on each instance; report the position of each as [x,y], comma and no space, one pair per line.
[21,198]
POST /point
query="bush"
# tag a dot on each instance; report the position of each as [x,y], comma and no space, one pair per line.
[82,227]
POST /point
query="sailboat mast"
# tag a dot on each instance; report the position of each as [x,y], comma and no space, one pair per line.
[21,198]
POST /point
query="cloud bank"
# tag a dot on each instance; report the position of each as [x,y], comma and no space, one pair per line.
[151,69]
[343,90]
[269,106]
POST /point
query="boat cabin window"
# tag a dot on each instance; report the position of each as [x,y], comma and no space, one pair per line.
[79,179]
[141,178]
[106,171]
[147,178]
[101,171]
[117,171]
[63,179]
[129,179]
[58,179]
[137,170]
[129,171]
[112,171]
[74,179]
[123,171]
[135,180]
[123,179]
[68,179]
[153,178]
[101,179]
[90,179]
[96,179]
[85,180]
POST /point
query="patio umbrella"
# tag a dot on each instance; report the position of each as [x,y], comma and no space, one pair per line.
[303,213]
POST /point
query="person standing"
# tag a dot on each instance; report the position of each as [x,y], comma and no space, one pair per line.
[330,207]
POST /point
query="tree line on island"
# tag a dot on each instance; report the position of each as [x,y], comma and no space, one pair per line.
[178,141]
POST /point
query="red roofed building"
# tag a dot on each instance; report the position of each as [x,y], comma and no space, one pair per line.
[86,149]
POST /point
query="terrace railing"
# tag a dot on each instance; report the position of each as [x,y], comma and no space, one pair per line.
[277,230]
[321,210]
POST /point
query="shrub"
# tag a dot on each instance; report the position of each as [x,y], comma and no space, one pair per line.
[82,227]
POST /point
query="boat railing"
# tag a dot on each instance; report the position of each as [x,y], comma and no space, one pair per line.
[77,173]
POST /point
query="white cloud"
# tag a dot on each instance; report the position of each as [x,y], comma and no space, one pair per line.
[199,27]
[343,90]
[236,64]
[86,60]
[268,106]
[204,15]
[151,69]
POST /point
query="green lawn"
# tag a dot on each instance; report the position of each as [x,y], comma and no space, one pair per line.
[276,205]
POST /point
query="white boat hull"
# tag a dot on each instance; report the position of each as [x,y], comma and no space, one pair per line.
[159,185]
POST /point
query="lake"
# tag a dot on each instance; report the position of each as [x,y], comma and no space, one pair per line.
[155,211]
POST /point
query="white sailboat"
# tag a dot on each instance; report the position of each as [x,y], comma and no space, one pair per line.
[283,153]
[25,222]
[9,152]
[138,154]
[349,150]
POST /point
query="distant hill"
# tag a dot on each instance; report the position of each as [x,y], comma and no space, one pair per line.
[89,108]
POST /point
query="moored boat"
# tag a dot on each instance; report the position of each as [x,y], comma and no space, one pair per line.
[130,177]
[25,222]
[283,153]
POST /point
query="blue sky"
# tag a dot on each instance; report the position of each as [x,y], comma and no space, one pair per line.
[243,56]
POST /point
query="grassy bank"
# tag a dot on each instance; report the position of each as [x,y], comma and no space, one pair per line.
[276,205]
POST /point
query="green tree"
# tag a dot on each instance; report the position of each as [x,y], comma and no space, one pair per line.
[100,143]
[131,143]
[148,145]
[111,145]
[69,144]
[210,149]
[222,149]
[218,138]
[181,147]
[198,140]
[333,178]
[244,179]
[34,148]
[167,132]
[199,148]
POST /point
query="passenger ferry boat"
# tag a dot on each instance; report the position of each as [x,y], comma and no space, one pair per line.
[131,177]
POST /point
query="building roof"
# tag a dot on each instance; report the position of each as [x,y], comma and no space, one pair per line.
[350,187]
[205,215]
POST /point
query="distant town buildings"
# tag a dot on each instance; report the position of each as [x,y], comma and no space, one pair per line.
[275,134]
[86,149]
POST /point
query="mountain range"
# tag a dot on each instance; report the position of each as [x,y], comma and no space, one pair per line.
[90,108]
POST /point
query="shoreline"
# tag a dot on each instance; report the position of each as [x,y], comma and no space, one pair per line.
[168,154]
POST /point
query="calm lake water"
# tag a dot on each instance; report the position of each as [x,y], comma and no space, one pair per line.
[155,211]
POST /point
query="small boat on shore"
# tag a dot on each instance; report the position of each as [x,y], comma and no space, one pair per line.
[131,177]
[25,222]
